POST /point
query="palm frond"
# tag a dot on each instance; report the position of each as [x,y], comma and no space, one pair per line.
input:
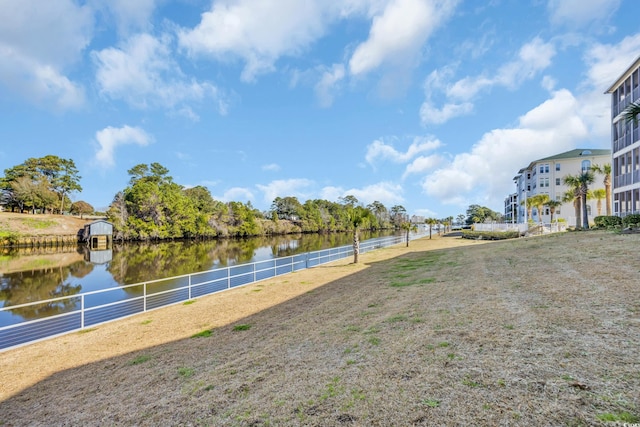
[632,112]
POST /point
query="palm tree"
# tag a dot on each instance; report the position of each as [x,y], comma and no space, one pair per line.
[539,200]
[598,194]
[431,222]
[528,204]
[632,112]
[573,195]
[553,205]
[408,227]
[585,179]
[358,217]
[606,180]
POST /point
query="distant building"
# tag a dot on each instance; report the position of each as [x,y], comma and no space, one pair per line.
[417,219]
[546,176]
[511,208]
[625,143]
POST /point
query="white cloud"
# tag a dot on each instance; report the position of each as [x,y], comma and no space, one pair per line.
[110,138]
[399,32]
[469,87]
[236,194]
[533,57]
[208,183]
[548,83]
[578,13]
[605,64]
[332,193]
[380,150]
[329,84]
[422,164]
[260,32]
[271,167]
[131,16]
[429,114]
[385,192]
[285,188]
[256,31]
[38,42]
[143,73]
[485,174]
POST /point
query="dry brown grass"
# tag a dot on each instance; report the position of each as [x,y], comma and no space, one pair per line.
[538,331]
[41,224]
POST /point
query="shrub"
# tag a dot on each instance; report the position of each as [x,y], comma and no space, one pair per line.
[604,221]
[632,220]
[490,235]
[9,238]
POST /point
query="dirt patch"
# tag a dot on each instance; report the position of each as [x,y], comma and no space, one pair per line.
[536,331]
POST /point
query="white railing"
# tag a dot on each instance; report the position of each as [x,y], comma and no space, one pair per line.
[90,309]
[553,227]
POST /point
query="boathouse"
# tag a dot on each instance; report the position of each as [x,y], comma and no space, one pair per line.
[98,234]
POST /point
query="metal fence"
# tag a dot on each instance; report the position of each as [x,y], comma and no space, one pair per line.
[537,228]
[88,309]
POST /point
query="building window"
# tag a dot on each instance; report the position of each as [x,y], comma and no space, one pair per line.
[558,167]
[586,165]
[557,181]
[544,168]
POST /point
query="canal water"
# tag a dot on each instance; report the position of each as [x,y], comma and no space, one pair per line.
[30,275]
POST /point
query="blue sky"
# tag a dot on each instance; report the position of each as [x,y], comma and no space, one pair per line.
[431,104]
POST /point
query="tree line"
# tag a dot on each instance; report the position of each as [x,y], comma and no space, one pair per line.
[154,207]
[42,184]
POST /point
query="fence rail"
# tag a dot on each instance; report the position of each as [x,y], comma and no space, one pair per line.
[89,309]
[523,228]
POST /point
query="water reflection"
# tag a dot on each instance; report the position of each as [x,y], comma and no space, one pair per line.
[37,285]
[27,276]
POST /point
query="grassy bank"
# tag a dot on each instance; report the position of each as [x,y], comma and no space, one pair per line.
[536,331]
[20,229]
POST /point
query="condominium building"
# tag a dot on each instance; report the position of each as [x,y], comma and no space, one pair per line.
[546,176]
[511,207]
[625,143]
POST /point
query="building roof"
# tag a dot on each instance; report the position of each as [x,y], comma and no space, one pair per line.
[578,152]
[624,75]
[572,154]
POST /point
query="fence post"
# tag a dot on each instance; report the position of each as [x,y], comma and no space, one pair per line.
[228,278]
[82,312]
[144,297]
[189,286]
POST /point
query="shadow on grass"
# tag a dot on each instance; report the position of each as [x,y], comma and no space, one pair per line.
[378,346]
